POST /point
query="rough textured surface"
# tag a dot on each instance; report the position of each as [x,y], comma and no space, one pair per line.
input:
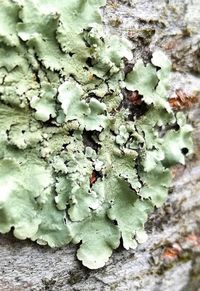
[170,258]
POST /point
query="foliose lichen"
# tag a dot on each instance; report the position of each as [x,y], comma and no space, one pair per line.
[77,162]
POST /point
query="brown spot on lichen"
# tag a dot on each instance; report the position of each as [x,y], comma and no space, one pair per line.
[172,253]
[93,178]
[193,240]
[134,97]
[182,100]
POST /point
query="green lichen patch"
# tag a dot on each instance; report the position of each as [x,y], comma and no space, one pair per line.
[77,164]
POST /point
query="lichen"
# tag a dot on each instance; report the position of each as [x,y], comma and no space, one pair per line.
[77,164]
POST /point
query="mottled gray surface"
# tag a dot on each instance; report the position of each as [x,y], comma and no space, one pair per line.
[170,260]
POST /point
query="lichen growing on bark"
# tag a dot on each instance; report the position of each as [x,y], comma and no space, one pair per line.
[77,162]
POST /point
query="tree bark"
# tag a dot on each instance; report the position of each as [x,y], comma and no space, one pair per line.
[170,259]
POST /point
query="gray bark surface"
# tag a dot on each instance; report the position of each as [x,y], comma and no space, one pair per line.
[170,259]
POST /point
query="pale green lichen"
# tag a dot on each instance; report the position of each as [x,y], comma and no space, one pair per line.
[77,162]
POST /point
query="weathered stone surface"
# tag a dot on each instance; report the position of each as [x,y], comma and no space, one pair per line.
[170,260]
